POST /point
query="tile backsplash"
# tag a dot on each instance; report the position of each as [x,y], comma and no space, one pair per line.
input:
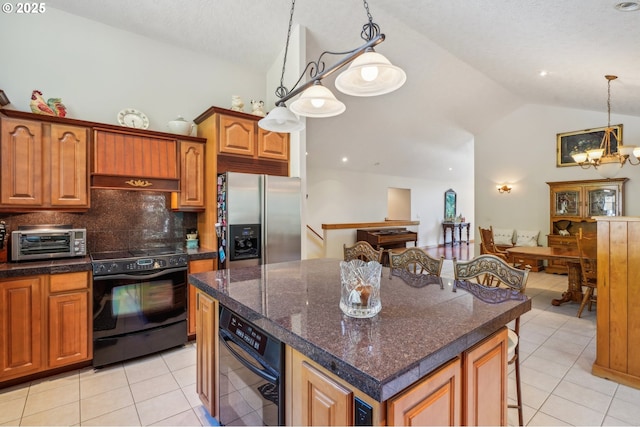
[119,220]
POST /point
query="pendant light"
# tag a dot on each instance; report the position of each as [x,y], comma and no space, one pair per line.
[603,160]
[317,101]
[369,74]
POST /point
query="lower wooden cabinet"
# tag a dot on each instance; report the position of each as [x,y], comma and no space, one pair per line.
[68,319]
[45,323]
[196,266]
[207,383]
[471,389]
[433,401]
[485,376]
[21,334]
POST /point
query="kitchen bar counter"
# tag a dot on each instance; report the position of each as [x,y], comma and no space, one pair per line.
[418,329]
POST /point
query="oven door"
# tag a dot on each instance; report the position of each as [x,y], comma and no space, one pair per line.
[133,302]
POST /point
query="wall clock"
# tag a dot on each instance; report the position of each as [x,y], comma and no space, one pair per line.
[130,117]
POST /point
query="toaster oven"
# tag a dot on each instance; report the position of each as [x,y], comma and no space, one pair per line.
[48,241]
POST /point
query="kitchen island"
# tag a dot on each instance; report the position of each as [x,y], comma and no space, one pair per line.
[424,344]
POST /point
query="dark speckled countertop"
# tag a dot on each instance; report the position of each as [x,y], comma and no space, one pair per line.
[69,265]
[417,330]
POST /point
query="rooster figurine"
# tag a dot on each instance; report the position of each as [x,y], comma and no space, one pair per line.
[53,106]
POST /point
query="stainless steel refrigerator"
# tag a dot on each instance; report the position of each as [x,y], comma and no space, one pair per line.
[259,219]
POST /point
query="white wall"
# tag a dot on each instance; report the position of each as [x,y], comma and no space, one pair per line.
[98,70]
[520,149]
[336,196]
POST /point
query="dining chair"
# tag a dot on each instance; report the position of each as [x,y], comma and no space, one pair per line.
[587,250]
[362,250]
[416,261]
[488,246]
[502,274]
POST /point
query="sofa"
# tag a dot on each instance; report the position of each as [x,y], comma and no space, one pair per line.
[505,238]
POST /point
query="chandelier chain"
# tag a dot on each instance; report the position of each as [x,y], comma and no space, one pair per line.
[370,29]
[281,91]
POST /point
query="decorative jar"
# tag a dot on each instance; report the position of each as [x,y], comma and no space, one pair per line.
[360,296]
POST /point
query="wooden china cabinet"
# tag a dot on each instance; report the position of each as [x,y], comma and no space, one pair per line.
[573,204]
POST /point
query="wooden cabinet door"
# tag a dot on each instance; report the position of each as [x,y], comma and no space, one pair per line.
[567,202]
[69,322]
[237,136]
[197,266]
[69,167]
[273,145]
[21,174]
[324,401]
[434,401]
[68,328]
[207,352]
[21,326]
[485,374]
[191,195]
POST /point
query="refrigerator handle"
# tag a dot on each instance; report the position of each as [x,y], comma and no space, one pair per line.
[263,213]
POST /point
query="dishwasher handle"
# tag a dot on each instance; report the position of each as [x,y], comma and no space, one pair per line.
[265,373]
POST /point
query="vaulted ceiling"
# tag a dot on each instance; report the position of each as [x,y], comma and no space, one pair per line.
[505,42]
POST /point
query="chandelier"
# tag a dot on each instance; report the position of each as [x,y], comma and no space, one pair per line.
[606,163]
[369,74]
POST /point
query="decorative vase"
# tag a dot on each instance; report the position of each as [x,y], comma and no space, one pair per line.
[180,126]
[360,296]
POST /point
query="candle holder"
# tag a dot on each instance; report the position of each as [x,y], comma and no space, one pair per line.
[360,296]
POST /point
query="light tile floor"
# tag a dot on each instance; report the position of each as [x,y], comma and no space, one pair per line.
[557,351]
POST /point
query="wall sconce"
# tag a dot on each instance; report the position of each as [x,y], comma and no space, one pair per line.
[503,188]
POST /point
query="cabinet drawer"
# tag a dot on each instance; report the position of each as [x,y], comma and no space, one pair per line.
[69,281]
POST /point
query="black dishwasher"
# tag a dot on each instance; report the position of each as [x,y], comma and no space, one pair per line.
[251,366]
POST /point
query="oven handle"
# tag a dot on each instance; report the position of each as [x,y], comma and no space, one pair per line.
[262,373]
[140,275]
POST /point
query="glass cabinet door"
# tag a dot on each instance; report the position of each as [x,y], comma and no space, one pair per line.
[567,203]
[602,202]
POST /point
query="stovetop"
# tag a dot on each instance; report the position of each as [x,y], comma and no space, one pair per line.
[135,260]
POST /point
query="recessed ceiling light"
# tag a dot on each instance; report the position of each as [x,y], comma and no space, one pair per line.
[344,160]
[628,6]
[543,73]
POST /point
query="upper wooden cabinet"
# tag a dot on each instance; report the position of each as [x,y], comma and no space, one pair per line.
[52,162]
[241,145]
[237,136]
[273,145]
[192,166]
[44,166]
[134,161]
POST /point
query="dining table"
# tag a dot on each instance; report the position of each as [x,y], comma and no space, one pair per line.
[569,255]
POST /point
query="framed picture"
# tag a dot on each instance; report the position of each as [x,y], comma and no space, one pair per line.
[581,141]
[449,205]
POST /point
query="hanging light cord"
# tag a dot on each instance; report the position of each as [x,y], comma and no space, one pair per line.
[281,91]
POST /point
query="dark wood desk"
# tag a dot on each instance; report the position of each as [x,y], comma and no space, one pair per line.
[453,226]
[569,255]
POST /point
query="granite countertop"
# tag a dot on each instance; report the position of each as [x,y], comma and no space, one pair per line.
[417,330]
[69,265]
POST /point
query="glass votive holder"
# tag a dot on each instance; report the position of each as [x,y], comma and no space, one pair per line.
[360,295]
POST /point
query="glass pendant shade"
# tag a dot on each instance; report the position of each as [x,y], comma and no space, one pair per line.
[609,169]
[280,119]
[370,74]
[317,101]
